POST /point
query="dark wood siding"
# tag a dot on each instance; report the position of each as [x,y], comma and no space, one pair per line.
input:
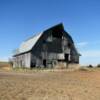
[53,46]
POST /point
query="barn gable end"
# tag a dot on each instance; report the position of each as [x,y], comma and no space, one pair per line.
[47,49]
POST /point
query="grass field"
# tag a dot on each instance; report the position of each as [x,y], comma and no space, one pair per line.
[59,85]
[5,66]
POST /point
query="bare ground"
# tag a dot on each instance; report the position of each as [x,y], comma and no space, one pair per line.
[59,85]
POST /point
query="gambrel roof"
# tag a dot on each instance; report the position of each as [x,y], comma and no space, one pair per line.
[30,43]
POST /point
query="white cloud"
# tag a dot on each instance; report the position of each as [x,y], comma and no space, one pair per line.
[91,53]
[85,43]
[81,44]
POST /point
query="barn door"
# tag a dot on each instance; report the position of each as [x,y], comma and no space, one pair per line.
[67,57]
[44,63]
[33,64]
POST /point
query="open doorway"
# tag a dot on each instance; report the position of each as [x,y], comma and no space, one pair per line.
[33,65]
[44,63]
[67,57]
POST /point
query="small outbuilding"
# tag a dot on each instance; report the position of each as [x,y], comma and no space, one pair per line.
[52,48]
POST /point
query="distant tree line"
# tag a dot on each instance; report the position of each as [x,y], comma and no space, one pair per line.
[91,66]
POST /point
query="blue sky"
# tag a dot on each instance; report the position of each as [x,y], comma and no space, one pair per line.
[20,19]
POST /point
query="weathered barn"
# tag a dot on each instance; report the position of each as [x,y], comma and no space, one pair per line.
[48,49]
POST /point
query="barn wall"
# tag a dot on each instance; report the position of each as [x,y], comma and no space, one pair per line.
[50,49]
[53,49]
[27,60]
[36,61]
[53,46]
[73,66]
[22,60]
[63,65]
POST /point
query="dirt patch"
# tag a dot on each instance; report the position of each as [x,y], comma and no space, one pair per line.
[60,85]
[5,66]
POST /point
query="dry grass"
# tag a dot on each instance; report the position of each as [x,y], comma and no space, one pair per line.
[59,85]
[5,66]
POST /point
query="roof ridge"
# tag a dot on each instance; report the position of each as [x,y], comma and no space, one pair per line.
[31,37]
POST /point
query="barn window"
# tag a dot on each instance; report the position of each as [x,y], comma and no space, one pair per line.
[49,39]
[69,45]
[57,33]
